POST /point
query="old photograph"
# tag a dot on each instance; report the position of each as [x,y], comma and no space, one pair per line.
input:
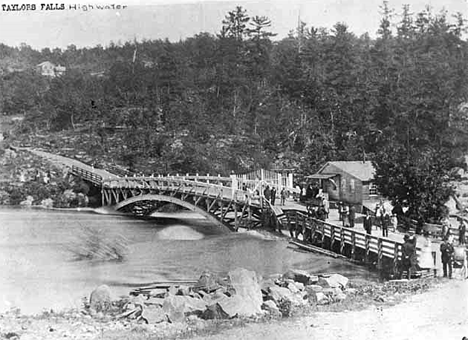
[234,169]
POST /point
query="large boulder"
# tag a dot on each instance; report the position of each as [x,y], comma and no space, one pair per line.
[214,312]
[207,282]
[271,307]
[176,306]
[248,295]
[297,275]
[337,281]
[153,315]
[278,294]
[322,299]
[174,309]
[100,299]
[294,287]
[266,284]
[237,306]
[313,288]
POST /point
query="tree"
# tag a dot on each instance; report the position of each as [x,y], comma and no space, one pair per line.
[235,23]
[419,181]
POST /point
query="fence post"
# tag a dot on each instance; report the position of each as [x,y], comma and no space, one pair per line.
[233,184]
[396,247]
[379,254]
[332,236]
[353,245]
[342,240]
[366,256]
[290,180]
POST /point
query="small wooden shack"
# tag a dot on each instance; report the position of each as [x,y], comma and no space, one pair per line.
[348,181]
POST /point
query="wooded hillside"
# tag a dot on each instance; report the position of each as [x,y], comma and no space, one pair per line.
[242,100]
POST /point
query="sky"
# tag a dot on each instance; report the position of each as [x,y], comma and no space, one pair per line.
[178,19]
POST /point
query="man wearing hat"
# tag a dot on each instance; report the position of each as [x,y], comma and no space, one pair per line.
[446,251]
[407,255]
[461,232]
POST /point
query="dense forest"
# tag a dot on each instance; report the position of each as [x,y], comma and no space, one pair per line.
[242,99]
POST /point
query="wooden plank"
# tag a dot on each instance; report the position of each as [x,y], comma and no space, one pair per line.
[367,249]
[379,254]
[315,249]
[342,240]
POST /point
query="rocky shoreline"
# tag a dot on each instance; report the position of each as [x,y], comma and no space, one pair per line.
[211,304]
[29,180]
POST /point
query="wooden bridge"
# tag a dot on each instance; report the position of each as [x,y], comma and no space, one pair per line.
[222,200]
[219,199]
[352,243]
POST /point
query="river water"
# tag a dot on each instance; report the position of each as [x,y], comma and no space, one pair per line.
[38,271]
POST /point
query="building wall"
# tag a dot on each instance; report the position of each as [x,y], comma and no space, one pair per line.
[333,192]
[350,188]
[365,190]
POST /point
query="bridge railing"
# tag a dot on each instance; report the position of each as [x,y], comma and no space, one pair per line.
[87,175]
[202,186]
[383,247]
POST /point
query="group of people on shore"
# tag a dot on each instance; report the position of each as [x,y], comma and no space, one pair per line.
[450,255]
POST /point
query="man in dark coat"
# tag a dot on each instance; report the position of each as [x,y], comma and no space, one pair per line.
[267,193]
[408,256]
[461,232]
[368,223]
[273,195]
[352,216]
[385,224]
[446,251]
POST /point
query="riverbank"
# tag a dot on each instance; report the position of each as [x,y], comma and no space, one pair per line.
[324,312]
[438,313]
[29,180]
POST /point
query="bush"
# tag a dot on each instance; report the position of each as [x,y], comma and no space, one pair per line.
[285,308]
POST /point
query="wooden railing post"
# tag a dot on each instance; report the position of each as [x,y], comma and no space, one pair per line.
[396,267]
[367,250]
[332,236]
[342,240]
[297,223]
[379,253]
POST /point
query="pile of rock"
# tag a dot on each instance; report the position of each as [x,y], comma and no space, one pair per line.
[239,295]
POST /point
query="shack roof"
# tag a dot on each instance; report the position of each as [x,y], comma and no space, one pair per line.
[363,171]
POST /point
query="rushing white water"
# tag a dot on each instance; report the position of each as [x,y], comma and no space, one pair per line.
[38,270]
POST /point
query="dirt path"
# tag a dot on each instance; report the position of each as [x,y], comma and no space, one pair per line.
[441,313]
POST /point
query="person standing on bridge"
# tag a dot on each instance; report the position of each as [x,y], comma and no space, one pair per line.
[385,223]
[345,212]
[273,195]
[283,195]
[267,193]
[368,223]
[352,215]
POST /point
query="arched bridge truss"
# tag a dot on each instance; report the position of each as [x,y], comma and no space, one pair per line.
[212,197]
